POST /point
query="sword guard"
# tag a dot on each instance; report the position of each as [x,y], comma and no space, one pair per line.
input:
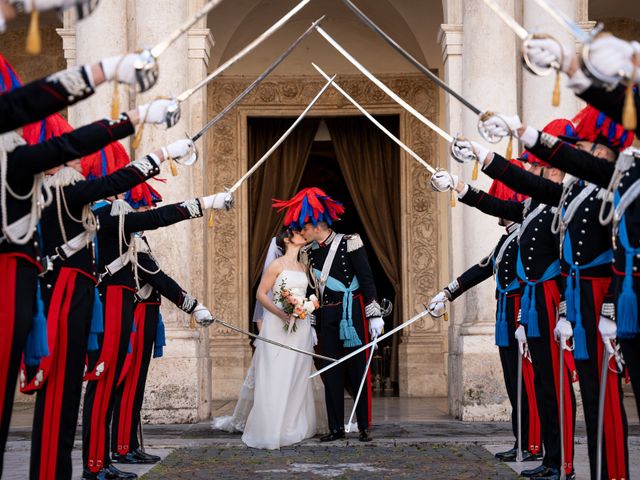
[455,156]
[387,307]
[191,157]
[228,199]
[529,65]
[483,117]
[147,70]
[600,80]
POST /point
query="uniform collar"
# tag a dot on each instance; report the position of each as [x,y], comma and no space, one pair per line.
[327,240]
[511,228]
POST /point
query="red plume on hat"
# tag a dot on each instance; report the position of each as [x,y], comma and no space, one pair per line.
[311,205]
[9,79]
[114,157]
[501,191]
[560,127]
[594,126]
[52,126]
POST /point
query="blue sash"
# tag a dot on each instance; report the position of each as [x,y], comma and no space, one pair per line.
[347,331]
[528,299]
[502,327]
[627,303]
[572,295]
[37,342]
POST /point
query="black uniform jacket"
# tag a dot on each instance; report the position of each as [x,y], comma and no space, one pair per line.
[506,271]
[163,284]
[78,195]
[28,160]
[350,261]
[589,239]
[41,98]
[108,249]
[611,103]
[538,246]
[599,171]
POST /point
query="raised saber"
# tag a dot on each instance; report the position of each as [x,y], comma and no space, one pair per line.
[377,123]
[272,342]
[368,345]
[266,34]
[161,47]
[284,136]
[564,21]
[257,81]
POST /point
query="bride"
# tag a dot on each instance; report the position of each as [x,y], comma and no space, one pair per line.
[289,407]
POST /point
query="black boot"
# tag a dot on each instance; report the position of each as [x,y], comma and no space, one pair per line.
[527,456]
[507,455]
[113,473]
[145,457]
[365,436]
[533,471]
[128,458]
[89,475]
[333,435]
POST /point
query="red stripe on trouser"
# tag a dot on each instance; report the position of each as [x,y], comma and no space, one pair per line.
[614,436]
[534,441]
[125,420]
[55,384]
[105,387]
[8,268]
[552,298]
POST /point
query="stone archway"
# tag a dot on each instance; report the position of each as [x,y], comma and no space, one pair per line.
[424,348]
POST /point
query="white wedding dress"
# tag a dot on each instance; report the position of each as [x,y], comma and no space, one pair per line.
[279,405]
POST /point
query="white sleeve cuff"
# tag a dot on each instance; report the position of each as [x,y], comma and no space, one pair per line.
[89,74]
[464,191]
[3,24]
[579,82]
[530,137]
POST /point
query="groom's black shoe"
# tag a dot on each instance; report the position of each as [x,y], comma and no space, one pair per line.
[365,436]
[332,436]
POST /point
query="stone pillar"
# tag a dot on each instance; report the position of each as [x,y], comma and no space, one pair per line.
[537,110]
[486,75]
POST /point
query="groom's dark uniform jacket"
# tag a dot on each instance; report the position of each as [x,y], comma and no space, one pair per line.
[350,262]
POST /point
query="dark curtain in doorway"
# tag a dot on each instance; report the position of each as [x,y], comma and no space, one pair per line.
[370,164]
[279,177]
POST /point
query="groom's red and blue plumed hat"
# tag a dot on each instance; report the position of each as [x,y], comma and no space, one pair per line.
[310,205]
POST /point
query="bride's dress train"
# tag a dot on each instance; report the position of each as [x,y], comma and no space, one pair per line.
[278,404]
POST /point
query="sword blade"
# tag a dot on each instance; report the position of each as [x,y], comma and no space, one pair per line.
[410,58]
[272,342]
[266,34]
[347,428]
[257,81]
[281,139]
[364,347]
[606,357]
[565,22]
[160,48]
[377,123]
[518,29]
[561,410]
[383,87]
[519,452]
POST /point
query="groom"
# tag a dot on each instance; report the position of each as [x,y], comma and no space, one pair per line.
[349,311]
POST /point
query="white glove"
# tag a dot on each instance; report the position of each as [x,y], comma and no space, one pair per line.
[159,112]
[178,149]
[202,315]
[467,151]
[438,305]
[376,326]
[314,336]
[608,332]
[521,337]
[499,125]
[217,201]
[613,56]
[563,330]
[542,52]
[441,181]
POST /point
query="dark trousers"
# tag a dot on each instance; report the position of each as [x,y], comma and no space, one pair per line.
[105,367]
[546,365]
[615,451]
[631,346]
[18,277]
[58,399]
[130,392]
[509,360]
[331,346]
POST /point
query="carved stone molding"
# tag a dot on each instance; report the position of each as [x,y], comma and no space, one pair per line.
[288,96]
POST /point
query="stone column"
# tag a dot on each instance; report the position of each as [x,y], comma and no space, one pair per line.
[486,75]
[537,110]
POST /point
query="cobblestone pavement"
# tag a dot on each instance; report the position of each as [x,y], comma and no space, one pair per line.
[426,460]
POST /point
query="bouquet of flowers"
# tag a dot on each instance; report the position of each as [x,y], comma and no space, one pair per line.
[295,306]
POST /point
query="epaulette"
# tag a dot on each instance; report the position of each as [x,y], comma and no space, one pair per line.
[354,242]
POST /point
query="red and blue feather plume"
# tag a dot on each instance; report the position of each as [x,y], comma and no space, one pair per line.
[9,79]
[311,205]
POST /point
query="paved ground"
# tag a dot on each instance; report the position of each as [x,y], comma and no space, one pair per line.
[412,439]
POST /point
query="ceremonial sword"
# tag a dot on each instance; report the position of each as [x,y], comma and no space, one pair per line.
[272,342]
[376,122]
[561,378]
[519,450]
[606,357]
[193,156]
[449,138]
[483,115]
